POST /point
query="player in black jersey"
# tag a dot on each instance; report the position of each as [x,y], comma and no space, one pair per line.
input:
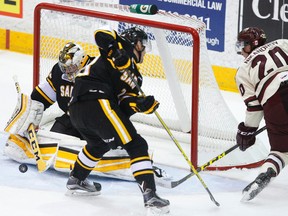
[103,99]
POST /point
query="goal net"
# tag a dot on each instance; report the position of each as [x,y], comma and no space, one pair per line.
[177,72]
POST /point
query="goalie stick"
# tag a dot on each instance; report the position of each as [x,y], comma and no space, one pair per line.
[32,137]
[175,142]
[173,184]
[41,164]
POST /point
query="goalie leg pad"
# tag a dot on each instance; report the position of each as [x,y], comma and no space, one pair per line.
[27,111]
[18,148]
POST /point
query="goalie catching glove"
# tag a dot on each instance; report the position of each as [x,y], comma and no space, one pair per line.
[144,104]
[245,136]
[118,57]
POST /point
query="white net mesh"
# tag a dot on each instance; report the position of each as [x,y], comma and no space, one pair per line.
[167,71]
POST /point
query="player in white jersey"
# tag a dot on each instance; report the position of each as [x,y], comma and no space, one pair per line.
[262,80]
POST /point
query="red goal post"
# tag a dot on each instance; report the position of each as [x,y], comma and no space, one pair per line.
[48,42]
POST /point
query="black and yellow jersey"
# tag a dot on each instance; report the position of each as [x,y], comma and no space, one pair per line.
[100,80]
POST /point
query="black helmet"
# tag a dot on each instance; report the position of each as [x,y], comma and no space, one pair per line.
[253,36]
[135,34]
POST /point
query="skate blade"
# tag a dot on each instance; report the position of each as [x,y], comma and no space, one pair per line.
[80,193]
[251,193]
[246,197]
[154,211]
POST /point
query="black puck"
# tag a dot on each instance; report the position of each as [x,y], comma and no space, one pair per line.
[23,168]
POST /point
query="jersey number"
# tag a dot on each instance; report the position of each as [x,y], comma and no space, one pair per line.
[276,53]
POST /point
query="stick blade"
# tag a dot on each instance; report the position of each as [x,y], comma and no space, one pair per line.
[41,165]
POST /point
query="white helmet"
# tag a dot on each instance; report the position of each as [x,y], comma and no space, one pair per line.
[71,60]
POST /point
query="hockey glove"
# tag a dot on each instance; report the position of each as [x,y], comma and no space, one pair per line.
[245,136]
[118,57]
[145,105]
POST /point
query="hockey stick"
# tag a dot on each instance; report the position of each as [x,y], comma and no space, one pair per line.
[173,184]
[176,142]
[41,164]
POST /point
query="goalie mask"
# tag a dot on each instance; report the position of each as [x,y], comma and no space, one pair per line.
[71,59]
[135,35]
[253,36]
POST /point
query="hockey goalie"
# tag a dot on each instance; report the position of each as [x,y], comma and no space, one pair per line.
[57,141]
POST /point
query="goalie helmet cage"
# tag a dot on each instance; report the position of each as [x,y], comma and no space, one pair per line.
[177,72]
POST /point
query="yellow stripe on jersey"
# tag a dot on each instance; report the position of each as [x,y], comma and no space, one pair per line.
[44,95]
[50,83]
[115,121]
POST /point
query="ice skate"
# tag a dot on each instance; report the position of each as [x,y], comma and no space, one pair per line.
[255,187]
[77,187]
[154,204]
